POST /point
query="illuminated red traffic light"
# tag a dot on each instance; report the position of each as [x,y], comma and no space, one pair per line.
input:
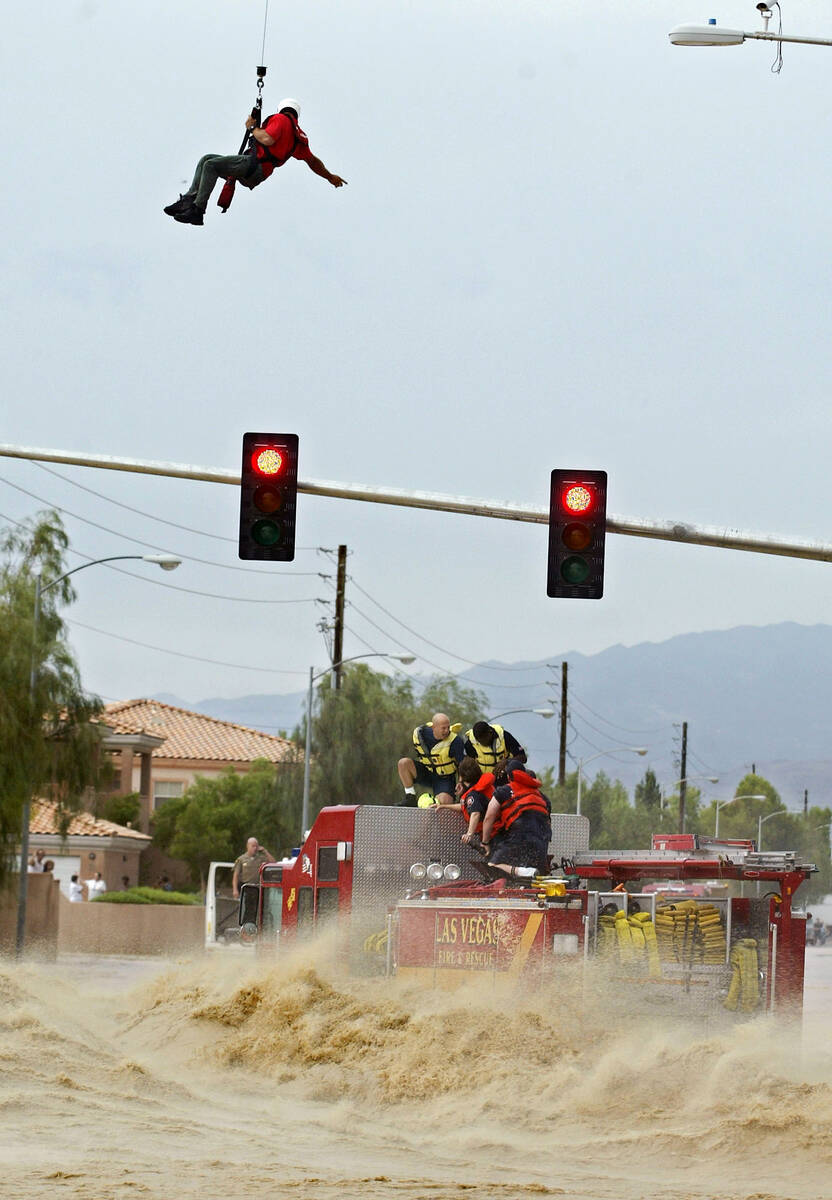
[577,499]
[268,496]
[577,529]
[268,460]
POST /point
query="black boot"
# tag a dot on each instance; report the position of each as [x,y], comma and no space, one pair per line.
[192,215]
[179,205]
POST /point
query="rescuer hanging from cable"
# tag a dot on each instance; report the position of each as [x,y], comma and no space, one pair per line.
[264,150]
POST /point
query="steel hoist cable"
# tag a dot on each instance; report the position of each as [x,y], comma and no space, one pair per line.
[227,193]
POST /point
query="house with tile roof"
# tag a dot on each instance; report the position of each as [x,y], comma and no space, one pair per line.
[161,749]
[87,844]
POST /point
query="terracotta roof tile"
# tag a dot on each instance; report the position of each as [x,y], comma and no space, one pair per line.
[195,736]
[44,819]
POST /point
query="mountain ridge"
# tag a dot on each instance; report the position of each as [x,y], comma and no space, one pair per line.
[751,695]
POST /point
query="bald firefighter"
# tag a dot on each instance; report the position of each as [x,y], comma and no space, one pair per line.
[437,752]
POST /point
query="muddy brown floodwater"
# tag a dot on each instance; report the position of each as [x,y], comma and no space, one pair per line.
[225,1077]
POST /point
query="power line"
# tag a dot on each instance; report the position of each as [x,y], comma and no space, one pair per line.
[172,587]
[217,537]
[180,654]
[152,545]
[602,732]
[703,766]
[439,666]
[573,696]
[427,641]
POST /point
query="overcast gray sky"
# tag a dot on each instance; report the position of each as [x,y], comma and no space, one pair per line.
[564,243]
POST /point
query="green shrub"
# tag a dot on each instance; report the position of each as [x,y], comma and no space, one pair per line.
[146,895]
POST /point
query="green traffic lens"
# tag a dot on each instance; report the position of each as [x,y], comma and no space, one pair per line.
[574,569]
[265,533]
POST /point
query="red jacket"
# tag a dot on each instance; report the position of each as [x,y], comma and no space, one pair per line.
[289,142]
[483,787]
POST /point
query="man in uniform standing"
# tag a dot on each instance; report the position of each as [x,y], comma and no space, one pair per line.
[247,867]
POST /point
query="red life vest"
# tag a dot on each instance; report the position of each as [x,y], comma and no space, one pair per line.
[525,797]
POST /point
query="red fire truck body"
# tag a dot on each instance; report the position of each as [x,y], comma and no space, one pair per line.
[441,923]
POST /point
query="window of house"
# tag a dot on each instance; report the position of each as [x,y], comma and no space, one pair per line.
[164,790]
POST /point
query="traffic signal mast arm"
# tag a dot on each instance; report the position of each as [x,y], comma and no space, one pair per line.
[723,538]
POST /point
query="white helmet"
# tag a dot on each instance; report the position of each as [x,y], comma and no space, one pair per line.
[289,103]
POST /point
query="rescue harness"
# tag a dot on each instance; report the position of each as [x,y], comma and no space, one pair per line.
[256,150]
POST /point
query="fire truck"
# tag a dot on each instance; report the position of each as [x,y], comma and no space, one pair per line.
[402,895]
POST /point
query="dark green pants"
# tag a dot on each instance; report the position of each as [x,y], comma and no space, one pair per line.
[212,167]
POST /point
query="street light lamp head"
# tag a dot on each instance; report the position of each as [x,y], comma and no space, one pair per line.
[705,35]
[407,659]
[544,712]
[641,751]
[168,562]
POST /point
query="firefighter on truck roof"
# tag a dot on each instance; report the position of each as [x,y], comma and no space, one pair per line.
[491,743]
[437,752]
[517,824]
[475,789]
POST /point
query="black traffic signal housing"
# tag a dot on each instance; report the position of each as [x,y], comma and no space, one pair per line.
[268,496]
[577,528]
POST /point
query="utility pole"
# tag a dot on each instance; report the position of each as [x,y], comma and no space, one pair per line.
[338,633]
[564,691]
[683,773]
[805,802]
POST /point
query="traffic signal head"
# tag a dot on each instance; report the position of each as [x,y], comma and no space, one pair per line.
[577,527]
[268,496]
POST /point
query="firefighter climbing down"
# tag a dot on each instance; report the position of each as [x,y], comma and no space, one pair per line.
[270,146]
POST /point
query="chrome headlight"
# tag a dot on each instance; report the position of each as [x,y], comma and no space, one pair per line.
[418,872]
[452,872]
[435,872]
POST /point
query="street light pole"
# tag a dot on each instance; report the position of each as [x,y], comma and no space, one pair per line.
[722,804]
[641,750]
[541,712]
[716,35]
[168,562]
[407,659]
[688,779]
[761,820]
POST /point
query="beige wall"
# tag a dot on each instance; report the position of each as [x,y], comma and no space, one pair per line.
[101,928]
[113,864]
[42,897]
[180,774]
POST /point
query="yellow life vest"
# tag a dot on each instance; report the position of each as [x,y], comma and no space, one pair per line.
[438,758]
[488,756]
